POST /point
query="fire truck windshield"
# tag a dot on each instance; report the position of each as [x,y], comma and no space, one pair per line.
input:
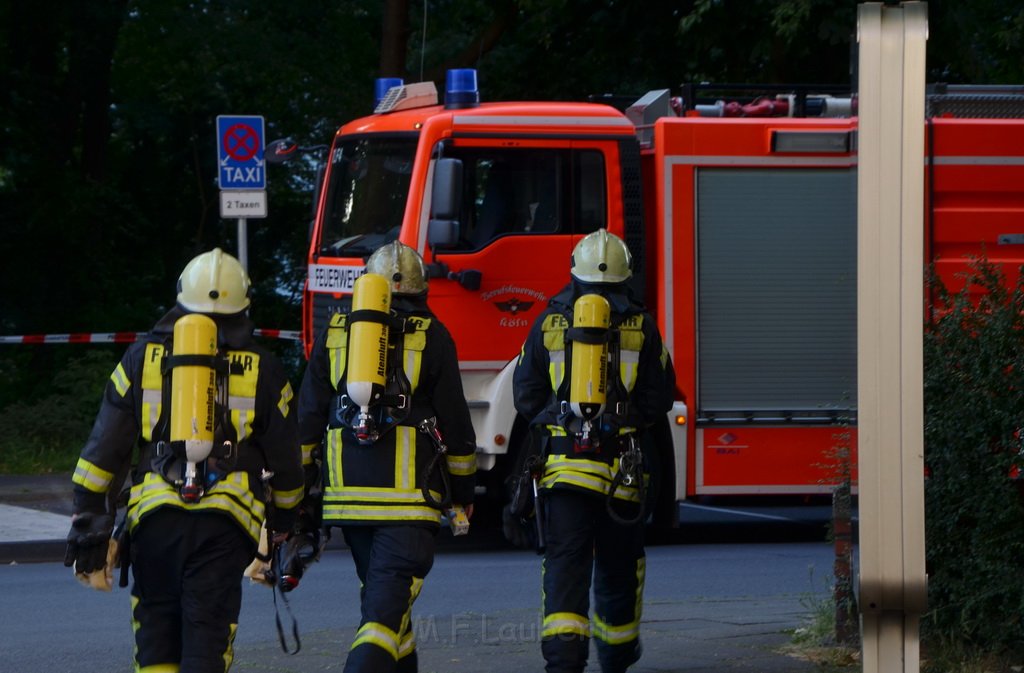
[366,194]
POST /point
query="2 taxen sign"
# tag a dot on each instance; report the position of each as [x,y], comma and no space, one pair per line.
[243,204]
[240,152]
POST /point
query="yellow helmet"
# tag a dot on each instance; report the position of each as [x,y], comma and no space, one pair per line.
[401,266]
[214,282]
[601,257]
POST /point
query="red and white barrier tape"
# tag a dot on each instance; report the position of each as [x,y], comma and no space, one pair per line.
[291,335]
[119,337]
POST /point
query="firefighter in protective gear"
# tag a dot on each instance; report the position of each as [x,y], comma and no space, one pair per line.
[388,496]
[188,550]
[591,514]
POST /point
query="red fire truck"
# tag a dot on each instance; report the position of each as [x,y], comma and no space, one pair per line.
[742,221]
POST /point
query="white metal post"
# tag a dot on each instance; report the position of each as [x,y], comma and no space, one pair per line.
[890,317]
[243,243]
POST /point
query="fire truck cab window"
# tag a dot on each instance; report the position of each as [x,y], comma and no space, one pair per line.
[529,192]
[366,194]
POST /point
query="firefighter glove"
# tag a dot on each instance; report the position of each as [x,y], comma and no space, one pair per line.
[282,520]
[88,541]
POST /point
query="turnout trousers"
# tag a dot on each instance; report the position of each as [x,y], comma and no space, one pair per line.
[187,592]
[391,562]
[583,542]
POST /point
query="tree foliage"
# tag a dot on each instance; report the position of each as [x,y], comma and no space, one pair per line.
[974,383]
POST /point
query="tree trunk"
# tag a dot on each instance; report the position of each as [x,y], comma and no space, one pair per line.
[394,38]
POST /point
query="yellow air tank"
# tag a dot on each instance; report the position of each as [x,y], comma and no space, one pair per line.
[589,374]
[193,395]
[368,343]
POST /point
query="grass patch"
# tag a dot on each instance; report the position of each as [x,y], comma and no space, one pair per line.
[815,641]
[45,433]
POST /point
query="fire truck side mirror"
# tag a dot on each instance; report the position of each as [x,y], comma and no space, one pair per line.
[284,150]
[443,234]
[280,151]
[446,193]
[445,204]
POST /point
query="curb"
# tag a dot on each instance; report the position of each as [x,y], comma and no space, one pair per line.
[37,551]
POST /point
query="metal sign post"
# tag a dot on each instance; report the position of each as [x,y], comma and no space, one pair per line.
[242,174]
[890,323]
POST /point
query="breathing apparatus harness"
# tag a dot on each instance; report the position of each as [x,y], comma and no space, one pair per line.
[194,410]
[378,391]
[369,327]
[631,470]
[596,352]
[438,463]
[388,403]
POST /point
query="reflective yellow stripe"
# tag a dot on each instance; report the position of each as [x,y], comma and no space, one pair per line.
[152,389]
[461,466]
[91,477]
[284,404]
[556,431]
[242,390]
[580,480]
[628,365]
[357,512]
[557,461]
[565,622]
[641,579]
[556,369]
[631,342]
[159,668]
[229,651]
[376,494]
[630,631]
[337,348]
[408,637]
[120,380]
[616,635]
[413,345]
[333,459]
[405,457]
[374,633]
[288,499]
[307,453]
[592,475]
[412,366]
[230,495]
[553,330]
[150,412]
[408,644]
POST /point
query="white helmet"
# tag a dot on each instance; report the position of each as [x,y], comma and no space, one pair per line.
[401,266]
[601,257]
[214,282]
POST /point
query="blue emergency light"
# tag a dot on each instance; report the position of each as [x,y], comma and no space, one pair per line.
[460,89]
[381,86]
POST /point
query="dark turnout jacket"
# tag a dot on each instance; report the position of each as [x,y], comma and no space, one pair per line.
[381,483]
[260,420]
[640,390]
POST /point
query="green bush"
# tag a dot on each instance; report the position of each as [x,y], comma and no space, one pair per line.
[45,432]
[974,386]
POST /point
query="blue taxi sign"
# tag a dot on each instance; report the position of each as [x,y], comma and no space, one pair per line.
[240,152]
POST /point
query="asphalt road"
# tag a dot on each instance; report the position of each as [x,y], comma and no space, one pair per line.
[708,607]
